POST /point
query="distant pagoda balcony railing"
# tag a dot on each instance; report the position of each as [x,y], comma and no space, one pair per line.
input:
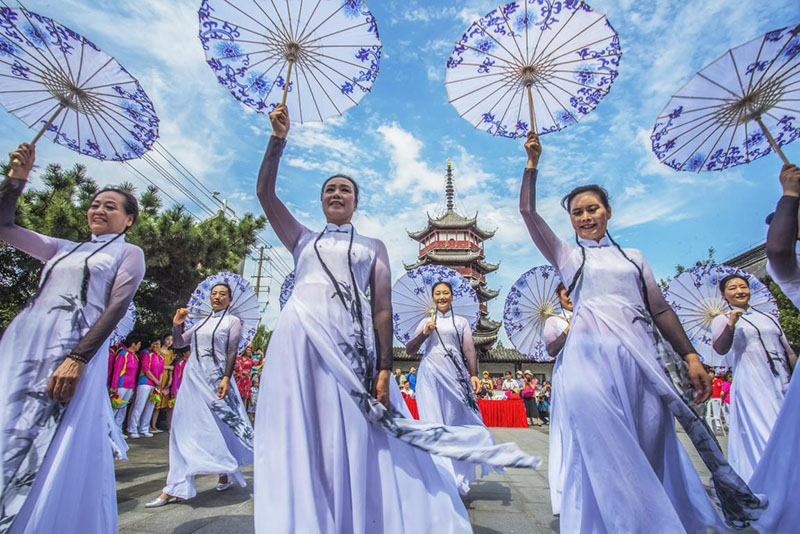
[451,244]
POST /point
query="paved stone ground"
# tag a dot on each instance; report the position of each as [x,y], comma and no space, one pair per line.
[515,502]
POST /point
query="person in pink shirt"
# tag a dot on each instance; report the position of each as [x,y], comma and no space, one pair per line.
[725,393]
[112,357]
[123,376]
[151,365]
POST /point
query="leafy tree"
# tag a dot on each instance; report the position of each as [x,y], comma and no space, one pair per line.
[179,251]
[262,337]
[790,316]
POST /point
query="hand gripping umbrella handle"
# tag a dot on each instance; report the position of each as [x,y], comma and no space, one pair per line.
[530,109]
[772,142]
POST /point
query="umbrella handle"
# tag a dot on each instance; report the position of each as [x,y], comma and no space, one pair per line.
[53,117]
[286,85]
[530,109]
[772,142]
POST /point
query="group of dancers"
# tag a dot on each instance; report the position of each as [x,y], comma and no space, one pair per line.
[345,455]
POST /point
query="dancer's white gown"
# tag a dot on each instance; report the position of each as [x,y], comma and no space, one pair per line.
[756,394]
[444,393]
[553,328]
[208,435]
[58,469]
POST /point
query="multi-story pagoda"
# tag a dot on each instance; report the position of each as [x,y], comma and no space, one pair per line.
[456,242]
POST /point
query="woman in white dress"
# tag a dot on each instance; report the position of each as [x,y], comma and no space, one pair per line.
[778,471]
[211,433]
[625,469]
[55,416]
[445,392]
[341,456]
[555,332]
[760,356]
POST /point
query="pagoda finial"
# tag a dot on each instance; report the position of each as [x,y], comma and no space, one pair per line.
[449,188]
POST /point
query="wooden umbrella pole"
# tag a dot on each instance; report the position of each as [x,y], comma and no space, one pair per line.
[530,109]
[288,79]
[772,142]
[53,117]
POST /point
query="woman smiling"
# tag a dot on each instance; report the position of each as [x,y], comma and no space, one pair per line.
[761,359]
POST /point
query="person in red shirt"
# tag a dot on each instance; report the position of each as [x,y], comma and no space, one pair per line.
[714,404]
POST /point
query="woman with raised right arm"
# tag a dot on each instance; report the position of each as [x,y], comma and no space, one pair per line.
[614,345]
[346,458]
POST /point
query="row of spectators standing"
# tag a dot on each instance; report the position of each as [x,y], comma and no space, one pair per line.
[144,377]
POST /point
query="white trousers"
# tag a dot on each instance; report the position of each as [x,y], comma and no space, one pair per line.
[142,411]
[119,414]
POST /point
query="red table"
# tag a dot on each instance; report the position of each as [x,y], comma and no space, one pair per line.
[498,413]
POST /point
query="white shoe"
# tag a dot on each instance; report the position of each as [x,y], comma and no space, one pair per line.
[156,430]
[222,486]
[147,435]
[158,502]
[124,436]
[133,436]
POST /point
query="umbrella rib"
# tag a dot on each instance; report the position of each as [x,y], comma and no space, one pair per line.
[44,66]
[480,117]
[313,66]
[32,104]
[300,33]
[730,144]
[42,70]
[311,71]
[605,38]
[565,108]
[737,97]
[63,120]
[510,101]
[689,141]
[736,70]
[519,63]
[513,65]
[302,38]
[43,115]
[697,121]
[552,39]
[78,128]
[61,47]
[274,34]
[572,82]
[711,151]
[255,52]
[510,31]
[112,84]
[280,19]
[693,110]
[772,62]
[56,65]
[527,25]
[779,77]
[370,69]
[95,73]
[758,57]
[504,83]
[337,32]
[297,92]
[366,89]
[479,76]
[548,109]
[289,15]
[80,62]
[541,32]
[274,82]
[302,70]
[567,62]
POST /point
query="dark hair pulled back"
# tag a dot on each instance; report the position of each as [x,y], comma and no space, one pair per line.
[590,188]
[355,185]
[131,205]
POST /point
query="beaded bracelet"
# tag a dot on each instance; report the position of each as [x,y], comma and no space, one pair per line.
[77,358]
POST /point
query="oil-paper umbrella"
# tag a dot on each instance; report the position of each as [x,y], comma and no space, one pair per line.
[412,300]
[320,57]
[125,326]
[532,65]
[62,85]
[244,304]
[696,298]
[531,300]
[743,106]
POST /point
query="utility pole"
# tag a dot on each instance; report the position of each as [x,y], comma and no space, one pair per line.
[258,276]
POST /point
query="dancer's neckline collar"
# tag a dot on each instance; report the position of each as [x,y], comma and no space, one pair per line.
[105,238]
[591,243]
[335,228]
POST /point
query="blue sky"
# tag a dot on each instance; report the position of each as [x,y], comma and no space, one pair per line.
[396,142]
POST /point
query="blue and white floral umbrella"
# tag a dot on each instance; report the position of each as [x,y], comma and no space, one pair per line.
[531,300]
[125,326]
[286,289]
[412,300]
[244,304]
[532,65]
[743,106]
[59,83]
[696,298]
[321,55]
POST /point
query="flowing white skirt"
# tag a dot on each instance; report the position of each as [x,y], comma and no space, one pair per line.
[625,470]
[321,467]
[438,401]
[199,442]
[754,408]
[555,460]
[778,472]
[75,488]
